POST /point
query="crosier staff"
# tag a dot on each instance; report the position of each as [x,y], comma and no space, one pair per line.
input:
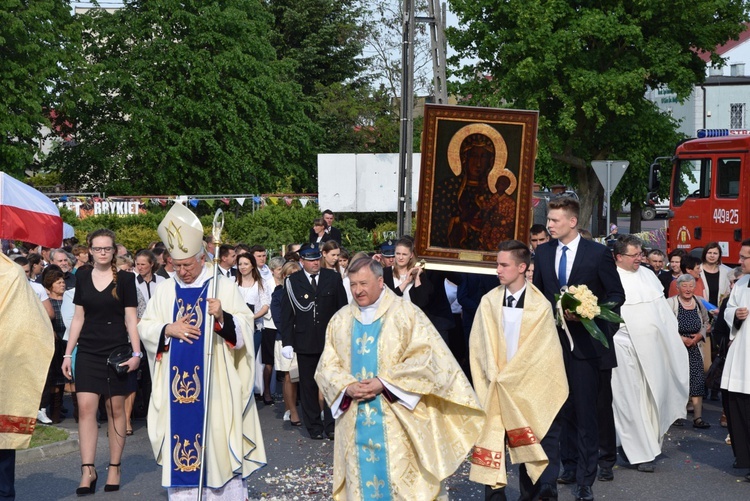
[218,226]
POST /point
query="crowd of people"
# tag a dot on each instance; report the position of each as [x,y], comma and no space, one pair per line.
[323,326]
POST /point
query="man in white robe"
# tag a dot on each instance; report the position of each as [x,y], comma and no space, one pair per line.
[650,383]
[406,415]
[172,330]
[735,379]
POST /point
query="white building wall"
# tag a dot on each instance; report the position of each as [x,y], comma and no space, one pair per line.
[363,182]
[738,55]
[719,100]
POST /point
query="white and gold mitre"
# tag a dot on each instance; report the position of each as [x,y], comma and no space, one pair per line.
[182,232]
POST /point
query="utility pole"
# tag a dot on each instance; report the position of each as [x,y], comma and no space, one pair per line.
[406,143]
[436,20]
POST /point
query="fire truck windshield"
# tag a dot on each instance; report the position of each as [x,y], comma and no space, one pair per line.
[692,180]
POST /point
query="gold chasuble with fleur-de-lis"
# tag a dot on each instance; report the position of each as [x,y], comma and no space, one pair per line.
[187,406]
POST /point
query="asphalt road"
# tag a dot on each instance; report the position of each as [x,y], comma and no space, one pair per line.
[695,465]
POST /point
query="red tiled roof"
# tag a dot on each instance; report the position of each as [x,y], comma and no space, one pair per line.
[731,44]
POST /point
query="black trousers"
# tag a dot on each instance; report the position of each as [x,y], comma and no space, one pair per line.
[580,418]
[551,446]
[308,396]
[606,420]
[529,490]
[7,474]
[739,426]
[607,433]
[491,494]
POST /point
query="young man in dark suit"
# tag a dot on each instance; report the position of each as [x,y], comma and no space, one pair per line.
[568,260]
[227,260]
[311,299]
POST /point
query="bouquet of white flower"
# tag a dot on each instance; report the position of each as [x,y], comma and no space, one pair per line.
[581,302]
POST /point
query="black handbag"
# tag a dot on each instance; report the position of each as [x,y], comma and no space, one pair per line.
[119,356]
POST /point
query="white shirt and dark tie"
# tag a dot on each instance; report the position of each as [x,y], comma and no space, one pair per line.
[226,273]
[569,251]
[313,279]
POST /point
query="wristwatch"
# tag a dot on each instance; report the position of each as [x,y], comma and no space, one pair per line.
[138,354]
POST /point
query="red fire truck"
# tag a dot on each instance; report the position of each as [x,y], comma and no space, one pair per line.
[708,175]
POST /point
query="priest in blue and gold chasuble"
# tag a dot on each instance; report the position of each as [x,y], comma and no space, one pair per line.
[405,441]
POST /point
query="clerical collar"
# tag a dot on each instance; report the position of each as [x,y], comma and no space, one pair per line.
[368,312]
[205,275]
[516,296]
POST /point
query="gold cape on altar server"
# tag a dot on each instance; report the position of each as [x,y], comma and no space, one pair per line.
[424,446]
[522,397]
[26,347]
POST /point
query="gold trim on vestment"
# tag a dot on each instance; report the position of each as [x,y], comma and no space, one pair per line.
[186,458]
[185,391]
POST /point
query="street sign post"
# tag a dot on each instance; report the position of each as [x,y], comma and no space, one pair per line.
[610,173]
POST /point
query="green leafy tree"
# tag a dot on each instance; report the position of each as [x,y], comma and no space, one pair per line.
[324,37]
[185,96]
[586,66]
[35,49]
[324,40]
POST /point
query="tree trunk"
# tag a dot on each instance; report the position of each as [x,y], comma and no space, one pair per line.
[635,217]
[589,189]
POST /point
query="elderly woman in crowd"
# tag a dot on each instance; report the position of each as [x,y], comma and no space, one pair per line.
[692,322]
[692,266]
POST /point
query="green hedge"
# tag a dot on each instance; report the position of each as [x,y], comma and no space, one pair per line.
[271,226]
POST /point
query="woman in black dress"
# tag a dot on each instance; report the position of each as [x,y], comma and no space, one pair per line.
[104,322]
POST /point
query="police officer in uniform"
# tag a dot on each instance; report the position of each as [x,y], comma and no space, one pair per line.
[387,253]
[311,299]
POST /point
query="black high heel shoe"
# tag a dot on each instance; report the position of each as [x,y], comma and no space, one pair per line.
[85,491]
[113,487]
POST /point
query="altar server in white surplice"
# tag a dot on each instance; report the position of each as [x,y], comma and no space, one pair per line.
[650,383]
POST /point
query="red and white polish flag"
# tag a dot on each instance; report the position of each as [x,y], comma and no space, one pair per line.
[27,214]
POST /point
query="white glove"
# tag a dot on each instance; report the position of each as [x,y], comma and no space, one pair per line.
[287,352]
